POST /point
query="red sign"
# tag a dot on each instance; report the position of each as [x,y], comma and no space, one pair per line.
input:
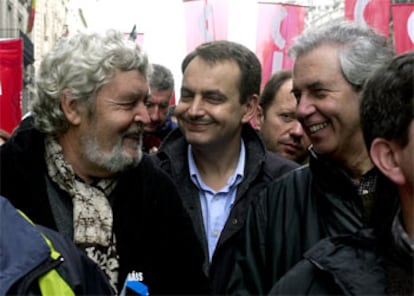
[375,13]
[277,26]
[403,17]
[11,83]
[206,20]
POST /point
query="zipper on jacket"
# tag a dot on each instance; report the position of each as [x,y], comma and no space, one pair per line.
[316,263]
[37,272]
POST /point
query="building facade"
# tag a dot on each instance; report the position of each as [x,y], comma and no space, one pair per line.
[48,26]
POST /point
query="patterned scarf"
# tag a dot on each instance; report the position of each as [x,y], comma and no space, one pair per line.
[92,213]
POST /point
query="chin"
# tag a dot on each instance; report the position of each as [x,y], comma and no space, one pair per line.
[132,153]
[322,149]
[136,156]
[124,161]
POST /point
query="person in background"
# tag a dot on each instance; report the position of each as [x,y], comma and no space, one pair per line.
[4,136]
[161,84]
[216,158]
[381,261]
[76,165]
[340,192]
[276,119]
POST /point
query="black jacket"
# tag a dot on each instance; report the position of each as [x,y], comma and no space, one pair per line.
[153,232]
[294,213]
[344,265]
[261,167]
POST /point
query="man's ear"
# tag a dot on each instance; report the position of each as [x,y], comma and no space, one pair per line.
[70,107]
[385,156]
[259,117]
[250,108]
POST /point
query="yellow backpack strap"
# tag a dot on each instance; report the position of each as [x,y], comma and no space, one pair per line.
[51,283]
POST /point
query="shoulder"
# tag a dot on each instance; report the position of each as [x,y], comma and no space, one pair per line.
[278,164]
[332,260]
[290,192]
[24,139]
[148,182]
[297,178]
[147,170]
[81,273]
[148,164]
[305,278]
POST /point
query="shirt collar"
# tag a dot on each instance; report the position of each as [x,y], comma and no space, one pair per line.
[234,179]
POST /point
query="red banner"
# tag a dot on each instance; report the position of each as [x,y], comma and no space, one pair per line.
[277,26]
[11,83]
[375,13]
[206,20]
[403,18]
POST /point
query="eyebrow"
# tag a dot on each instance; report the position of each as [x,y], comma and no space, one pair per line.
[205,92]
[316,85]
[183,88]
[312,85]
[213,92]
[134,95]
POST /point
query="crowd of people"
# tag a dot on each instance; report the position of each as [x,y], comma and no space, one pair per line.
[303,188]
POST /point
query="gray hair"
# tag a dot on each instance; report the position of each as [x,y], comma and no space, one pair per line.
[81,64]
[361,49]
[161,78]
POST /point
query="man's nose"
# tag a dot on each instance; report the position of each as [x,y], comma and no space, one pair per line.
[141,113]
[196,106]
[154,113]
[304,107]
[297,129]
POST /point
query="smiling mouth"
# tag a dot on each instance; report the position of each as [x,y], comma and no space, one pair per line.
[317,127]
[153,125]
[292,146]
[197,124]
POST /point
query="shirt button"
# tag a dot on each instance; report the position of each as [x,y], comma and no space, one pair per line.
[216,197]
[215,233]
[234,221]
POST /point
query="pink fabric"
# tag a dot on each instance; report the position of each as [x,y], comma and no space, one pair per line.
[403,17]
[11,83]
[206,20]
[375,13]
[277,26]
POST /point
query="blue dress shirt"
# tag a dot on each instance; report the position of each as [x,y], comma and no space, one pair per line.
[216,205]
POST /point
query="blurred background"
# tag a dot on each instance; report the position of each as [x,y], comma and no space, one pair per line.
[165,29]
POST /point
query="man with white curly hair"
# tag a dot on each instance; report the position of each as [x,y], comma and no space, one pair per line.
[76,165]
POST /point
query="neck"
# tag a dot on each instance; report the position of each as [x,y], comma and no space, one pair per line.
[355,157]
[407,209]
[359,167]
[216,167]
